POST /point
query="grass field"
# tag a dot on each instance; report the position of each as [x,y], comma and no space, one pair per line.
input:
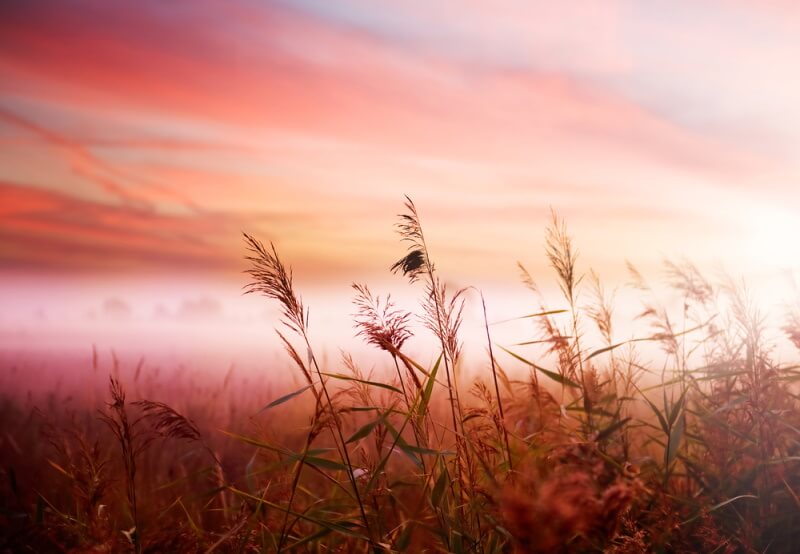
[572,442]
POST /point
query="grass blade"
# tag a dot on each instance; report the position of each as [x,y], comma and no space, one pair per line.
[283,399]
[551,374]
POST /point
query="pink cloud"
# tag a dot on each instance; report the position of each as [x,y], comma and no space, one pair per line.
[313,127]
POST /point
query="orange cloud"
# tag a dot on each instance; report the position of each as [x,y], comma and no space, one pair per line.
[46,229]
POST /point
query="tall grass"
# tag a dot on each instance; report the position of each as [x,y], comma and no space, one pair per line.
[683,438]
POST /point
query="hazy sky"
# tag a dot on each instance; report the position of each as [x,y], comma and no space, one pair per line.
[137,140]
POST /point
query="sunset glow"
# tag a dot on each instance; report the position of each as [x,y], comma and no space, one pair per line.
[137,143]
[377,276]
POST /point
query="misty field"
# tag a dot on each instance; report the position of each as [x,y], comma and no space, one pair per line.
[685,438]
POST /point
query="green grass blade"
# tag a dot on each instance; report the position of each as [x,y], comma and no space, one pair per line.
[283,399]
[608,431]
[364,430]
[675,437]
[363,381]
[529,316]
[551,374]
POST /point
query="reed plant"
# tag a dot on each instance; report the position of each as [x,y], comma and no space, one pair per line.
[683,437]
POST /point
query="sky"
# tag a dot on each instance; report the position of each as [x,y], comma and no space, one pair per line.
[138,141]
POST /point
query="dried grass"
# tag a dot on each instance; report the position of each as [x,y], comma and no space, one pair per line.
[599,448]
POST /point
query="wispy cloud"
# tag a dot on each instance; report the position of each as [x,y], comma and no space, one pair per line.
[150,136]
[55,231]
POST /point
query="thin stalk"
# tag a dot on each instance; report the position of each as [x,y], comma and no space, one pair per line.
[418,436]
[455,404]
[587,401]
[417,263]
[338,426]
[296,477]
[496,385]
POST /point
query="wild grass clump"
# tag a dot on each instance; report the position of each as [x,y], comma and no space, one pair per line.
[682,438]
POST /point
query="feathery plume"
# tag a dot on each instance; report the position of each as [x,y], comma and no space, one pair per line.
[273,280]
[379,322]
[416,262]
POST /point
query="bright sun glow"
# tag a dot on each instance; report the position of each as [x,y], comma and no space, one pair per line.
[769,240]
